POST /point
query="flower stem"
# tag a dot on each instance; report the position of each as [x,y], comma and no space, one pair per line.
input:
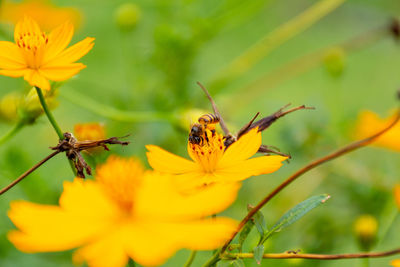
[17,127]
[286,255]
[113,113]
[52,121]
[49,114]
[190,259]
[272,40]
[214,259]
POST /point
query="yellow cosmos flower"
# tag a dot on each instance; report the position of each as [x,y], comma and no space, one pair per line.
[47,15]
[124,213]
[395,263]
[89,131]
[212,163]
[39,57]
[369,122]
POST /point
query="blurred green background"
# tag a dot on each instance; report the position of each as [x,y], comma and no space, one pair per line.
[154,66]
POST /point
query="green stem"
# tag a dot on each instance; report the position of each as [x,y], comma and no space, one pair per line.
[388,226]
[52,121]
[272,40]
[213,260]
[49,114]
[113,113]
[190,259]
[131,263]
[17,127]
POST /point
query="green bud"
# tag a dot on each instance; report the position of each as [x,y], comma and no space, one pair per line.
[127,16]
[9,106]
[334,61]
[30,109]
[365,229]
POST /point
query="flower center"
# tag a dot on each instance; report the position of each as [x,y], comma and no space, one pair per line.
[32,41]
[209,152]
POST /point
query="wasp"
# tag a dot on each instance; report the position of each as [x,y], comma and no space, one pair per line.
[198,132]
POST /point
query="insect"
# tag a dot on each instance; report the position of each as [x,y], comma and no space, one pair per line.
[198,132]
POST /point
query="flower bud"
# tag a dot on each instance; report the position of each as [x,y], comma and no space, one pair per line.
[9,107]
[89,131]
[30,108]
[127,16]
[365,229]
[334,61]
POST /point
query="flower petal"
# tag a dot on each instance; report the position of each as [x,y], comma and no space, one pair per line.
[13,73]
[242,149]
[49,228]
[158,197]
[251,167]
[96,201]
[11,56]
[71,54]
[61,72]
[59,39]
[26,25]
[36,79]
[164,161]
[196,235]
[105,252]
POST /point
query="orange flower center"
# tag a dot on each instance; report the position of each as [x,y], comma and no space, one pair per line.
[31,41]
[208,153]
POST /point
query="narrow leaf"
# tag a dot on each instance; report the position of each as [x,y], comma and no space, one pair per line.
[258,253]
[244,233]
[296,213]
[259,221]
[238,263]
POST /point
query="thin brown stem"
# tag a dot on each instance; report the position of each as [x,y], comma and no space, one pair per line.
[308,167]
[25,174]
[287,255]
[216,111]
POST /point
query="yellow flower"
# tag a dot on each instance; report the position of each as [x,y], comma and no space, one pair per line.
[212,163]
[44,12]
[124,213]
[89,131]
[39,57]
[369,123]
[395,263]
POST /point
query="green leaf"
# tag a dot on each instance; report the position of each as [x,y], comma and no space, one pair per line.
[259,221]
[238,263]
[296,213]
[258,253]
[244,233]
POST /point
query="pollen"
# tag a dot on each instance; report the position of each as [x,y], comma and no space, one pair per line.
[209,152]
[31,41]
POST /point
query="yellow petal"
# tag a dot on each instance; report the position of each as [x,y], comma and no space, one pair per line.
[13,73]
[71,54]
[243,148]
[164,161]
[196,235]
[87,197]
[49,228]
[105,252]
[397,195]
[10,56]
[395,263]
[26,25]
[159,198]
[36,79]
[59,39]
[250,167]
[62,72]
